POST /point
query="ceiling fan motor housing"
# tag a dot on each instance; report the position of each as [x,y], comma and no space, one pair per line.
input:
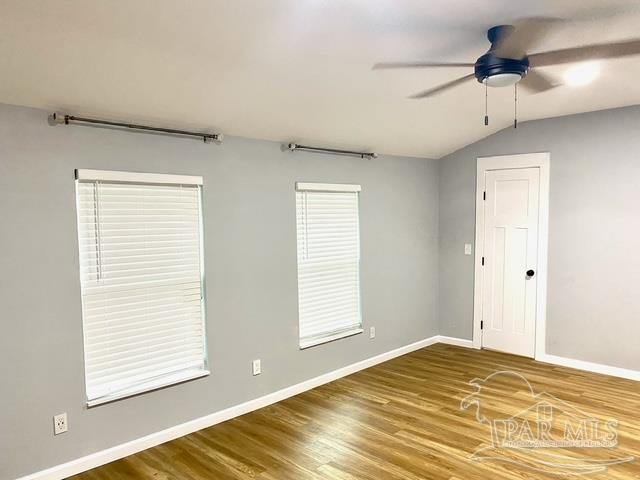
[490,64]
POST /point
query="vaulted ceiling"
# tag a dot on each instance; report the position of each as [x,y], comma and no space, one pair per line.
[298,69]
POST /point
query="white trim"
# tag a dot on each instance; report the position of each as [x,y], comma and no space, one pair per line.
[458,342]
[327,187]
[134,446]
[560,361]
[527,160]
[115,176]
[103,457]
[590,367]
[312,342]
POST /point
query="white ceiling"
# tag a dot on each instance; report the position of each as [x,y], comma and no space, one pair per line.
[296,69]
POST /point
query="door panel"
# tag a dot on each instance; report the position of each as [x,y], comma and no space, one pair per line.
[510,249]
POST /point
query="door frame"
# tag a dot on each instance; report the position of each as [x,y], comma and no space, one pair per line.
[528,160]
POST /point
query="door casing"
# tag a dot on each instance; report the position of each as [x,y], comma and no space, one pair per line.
[527,160]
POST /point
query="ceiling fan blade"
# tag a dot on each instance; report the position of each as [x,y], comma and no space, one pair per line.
[526,33]
[388,65]
[537,82]
[586,52]
[443,87]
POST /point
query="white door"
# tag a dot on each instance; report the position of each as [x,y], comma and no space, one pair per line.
[511,222]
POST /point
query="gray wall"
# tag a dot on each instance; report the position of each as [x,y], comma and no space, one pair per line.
[593,310]
[416,280]
[250,246]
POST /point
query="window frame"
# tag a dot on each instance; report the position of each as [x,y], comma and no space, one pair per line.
[111,176]
[350,331]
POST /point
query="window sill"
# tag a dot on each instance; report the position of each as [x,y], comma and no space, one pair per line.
[165,381]
[329,338]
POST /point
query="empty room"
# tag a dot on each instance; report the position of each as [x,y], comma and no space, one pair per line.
[320,240]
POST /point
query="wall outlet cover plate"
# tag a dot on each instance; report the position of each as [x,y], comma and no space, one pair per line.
[60,424]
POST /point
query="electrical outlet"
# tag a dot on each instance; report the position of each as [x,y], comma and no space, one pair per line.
[467,249]
[257,367]
[372,332]
[60,424]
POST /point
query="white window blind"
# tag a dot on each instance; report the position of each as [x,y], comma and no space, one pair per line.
[328,262]
[141,278]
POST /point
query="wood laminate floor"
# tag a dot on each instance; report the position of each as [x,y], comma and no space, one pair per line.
[403,420]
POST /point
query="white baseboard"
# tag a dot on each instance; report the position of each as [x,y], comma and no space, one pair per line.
[134,446]
[459,342]
[102,457]
[557,360]
[560,361]
[590,366]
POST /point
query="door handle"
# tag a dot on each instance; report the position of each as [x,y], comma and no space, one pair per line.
[530,273]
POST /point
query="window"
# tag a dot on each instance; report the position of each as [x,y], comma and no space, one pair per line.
[328,262]
[141,275]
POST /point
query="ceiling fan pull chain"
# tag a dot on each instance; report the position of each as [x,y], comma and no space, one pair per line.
[486,104]
[515,106]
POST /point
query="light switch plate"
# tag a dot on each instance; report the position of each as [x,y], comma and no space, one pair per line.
[467,249]
[372,332]
[257,367]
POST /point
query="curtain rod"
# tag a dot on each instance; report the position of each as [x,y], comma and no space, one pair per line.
[294,146]
[207,137]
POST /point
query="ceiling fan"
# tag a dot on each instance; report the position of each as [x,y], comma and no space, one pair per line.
[508,62]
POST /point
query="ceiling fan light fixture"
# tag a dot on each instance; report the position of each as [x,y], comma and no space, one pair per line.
[508,59]
[502,79]
[582,74]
